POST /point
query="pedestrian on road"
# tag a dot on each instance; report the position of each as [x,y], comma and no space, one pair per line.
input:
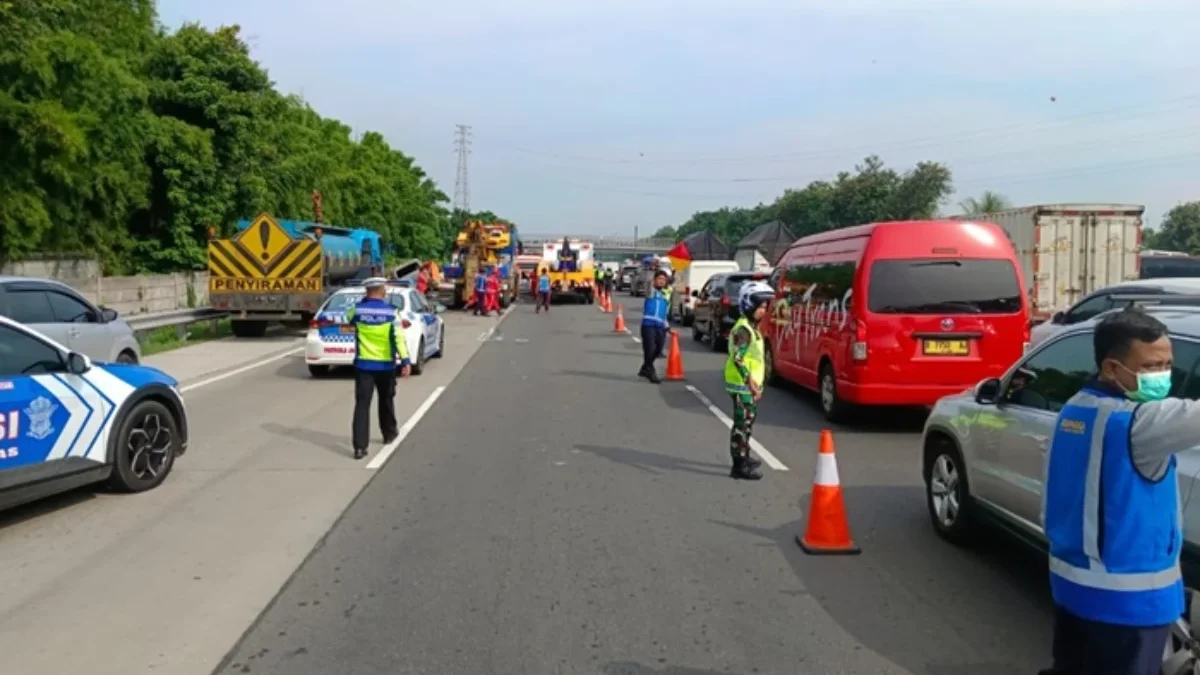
[543,292]
[654,324]
[1111,508]
[745,370]
[480,291]
[377,348]
[493,292]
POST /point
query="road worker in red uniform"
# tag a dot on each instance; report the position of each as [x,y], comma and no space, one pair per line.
[492,295]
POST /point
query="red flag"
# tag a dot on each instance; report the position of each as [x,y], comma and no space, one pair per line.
[679,256]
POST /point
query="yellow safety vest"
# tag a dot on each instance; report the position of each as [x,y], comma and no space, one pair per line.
[753,360]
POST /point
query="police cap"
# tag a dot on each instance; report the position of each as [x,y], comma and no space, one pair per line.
[375,282]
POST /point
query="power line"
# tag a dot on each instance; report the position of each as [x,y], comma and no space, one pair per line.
[462,179]
[1138,110]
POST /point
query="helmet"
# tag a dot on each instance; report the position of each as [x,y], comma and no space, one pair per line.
[752,294]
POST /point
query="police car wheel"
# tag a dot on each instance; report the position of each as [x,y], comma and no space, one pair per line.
[418,362]
[947,494]
[318,371]
[127,357]
[146,443]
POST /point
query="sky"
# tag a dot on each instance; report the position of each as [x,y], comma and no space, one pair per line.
[601,117]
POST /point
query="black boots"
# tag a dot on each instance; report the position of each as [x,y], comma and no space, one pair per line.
[649,375]
[359,453]
[746,468]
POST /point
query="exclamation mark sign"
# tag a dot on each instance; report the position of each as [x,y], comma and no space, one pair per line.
[264,235]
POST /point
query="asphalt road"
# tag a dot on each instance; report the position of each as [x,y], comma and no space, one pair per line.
[550,514]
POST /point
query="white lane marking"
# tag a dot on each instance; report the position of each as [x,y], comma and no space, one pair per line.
[384,453]
[637,340]
[521,340]
[487,334]
[239,371]
[757,447]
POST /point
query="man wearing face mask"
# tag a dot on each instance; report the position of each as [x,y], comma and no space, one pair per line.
[1111,508]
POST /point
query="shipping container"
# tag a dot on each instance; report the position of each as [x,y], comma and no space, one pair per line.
[1069,250]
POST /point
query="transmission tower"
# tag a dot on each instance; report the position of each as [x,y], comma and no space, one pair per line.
[462,181]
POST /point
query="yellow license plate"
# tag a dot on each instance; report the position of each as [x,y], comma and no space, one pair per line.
[946,347]
[346,328]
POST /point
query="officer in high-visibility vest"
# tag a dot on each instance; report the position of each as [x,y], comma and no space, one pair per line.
[655,324]
[745,370]
[378,349]
[1111,507]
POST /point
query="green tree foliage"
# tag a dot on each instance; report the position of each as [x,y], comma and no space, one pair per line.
[988,202]
[1180,230]
[872,192]
[120,139]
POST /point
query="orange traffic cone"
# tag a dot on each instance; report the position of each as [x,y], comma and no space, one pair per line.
[828,531]
[675,359]
[604,306]
[619,324]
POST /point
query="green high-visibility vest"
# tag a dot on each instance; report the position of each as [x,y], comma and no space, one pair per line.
[753,360]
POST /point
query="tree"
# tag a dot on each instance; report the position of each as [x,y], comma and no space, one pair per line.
[122,140]
[1180,230]
[872,192]
[664,232]
[988,202]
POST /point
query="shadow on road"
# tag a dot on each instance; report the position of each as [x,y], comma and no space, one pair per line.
[791,406]
[653,462]
[918,601]
[33,510]
[337,444]
[632,668]
[629,376]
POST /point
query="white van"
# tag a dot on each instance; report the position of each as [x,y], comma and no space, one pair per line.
[692,278]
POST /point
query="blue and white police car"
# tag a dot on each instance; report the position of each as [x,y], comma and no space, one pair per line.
[330,339]
[66,422]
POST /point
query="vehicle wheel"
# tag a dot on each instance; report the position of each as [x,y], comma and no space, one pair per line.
[714,342]
[418,363]
[145,446]
[696,334]
[441,343]
[127,357]
[947,494]
[688,319]
[831,404]
[318,371]
[248,329]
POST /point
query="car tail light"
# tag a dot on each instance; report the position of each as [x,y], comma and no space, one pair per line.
[323,323]
[858,349]
[725,301]
[405,323]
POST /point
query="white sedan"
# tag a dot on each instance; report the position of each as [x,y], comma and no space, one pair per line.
[330,340]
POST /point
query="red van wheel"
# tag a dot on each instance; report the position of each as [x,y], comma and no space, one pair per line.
[831,404]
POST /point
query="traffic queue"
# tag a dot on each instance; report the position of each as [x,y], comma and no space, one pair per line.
[1083,444]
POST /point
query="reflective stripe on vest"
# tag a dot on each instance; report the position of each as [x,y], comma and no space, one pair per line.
[753,360]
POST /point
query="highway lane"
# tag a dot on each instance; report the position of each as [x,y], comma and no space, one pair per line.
[555,514]
[166,581]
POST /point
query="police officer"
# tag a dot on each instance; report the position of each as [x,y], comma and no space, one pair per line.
[377,348]
[745,370]
[654,324]
[1111,508]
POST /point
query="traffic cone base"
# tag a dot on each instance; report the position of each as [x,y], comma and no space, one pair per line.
[828,531]
[675,360]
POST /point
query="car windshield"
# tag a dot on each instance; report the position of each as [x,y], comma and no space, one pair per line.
[1160,267]
[342,302]
[944,286]
[734,282]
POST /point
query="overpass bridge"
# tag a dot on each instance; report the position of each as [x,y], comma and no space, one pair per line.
[608,248]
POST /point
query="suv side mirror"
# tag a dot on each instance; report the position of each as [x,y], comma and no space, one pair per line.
[987,391]
[108,315]
[695,294]
[78,364]
[1058,318]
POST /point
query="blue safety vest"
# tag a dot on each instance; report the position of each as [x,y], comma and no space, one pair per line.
[1114,535]
[481,282]
[654,310]
[544,283]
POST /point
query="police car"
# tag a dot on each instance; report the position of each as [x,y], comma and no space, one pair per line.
[330,340]
[66,422]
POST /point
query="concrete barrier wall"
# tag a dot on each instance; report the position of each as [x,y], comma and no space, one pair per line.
[142,294]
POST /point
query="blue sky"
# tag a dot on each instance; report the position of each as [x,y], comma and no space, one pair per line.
[594,118]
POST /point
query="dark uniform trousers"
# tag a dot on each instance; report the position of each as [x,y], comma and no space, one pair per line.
[366,384]
[654,339]
[1083,647]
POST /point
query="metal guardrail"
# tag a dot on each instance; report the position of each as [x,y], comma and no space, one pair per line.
[178,318]
[646,244]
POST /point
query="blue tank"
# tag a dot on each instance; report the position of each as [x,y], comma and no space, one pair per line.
[343,248]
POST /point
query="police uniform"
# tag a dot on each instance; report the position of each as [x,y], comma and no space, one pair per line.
[654,329]
[377,348]
[1111,513]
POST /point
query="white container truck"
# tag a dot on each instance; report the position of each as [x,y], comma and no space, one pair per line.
[1069,250]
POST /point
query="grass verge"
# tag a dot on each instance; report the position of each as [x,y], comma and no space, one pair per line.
[169,337]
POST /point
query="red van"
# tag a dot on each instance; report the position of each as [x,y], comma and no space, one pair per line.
[898,313]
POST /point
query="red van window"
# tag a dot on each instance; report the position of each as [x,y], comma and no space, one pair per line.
[944,286]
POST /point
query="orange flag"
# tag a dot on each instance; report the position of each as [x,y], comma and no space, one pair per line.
[679,256]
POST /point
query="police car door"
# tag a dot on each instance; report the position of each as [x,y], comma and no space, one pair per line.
[51,422]
[424,313]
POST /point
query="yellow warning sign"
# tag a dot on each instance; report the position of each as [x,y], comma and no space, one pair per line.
[289,285]
[264,239]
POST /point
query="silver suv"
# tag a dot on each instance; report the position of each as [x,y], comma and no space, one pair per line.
[63,315]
